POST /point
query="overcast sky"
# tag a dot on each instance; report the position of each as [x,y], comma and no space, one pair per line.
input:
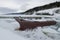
[23,5]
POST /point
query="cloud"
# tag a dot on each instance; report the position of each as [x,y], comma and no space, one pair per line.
[9,4]
[23,5]
[4,10]
[34,3]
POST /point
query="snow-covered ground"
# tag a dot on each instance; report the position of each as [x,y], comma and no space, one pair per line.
[8,26]
[8,35]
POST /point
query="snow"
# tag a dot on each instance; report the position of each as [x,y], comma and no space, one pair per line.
[55,35]
[8,26]
[49,30]
[35,34]
[8,35]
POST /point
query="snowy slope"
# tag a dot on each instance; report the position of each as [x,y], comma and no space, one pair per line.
[55,35]
[8,35]
[35,34]
[9,24]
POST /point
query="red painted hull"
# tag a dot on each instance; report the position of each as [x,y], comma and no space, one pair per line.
[24,24]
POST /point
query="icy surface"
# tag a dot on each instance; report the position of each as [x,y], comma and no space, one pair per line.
[8,35]
[36,34]
[55,35]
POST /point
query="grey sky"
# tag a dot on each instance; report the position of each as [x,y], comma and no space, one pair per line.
[6,10]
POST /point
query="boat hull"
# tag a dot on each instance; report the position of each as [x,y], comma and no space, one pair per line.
[24,24]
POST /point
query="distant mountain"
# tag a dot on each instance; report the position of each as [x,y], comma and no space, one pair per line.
[15,13]
[47,6]
[39,8]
